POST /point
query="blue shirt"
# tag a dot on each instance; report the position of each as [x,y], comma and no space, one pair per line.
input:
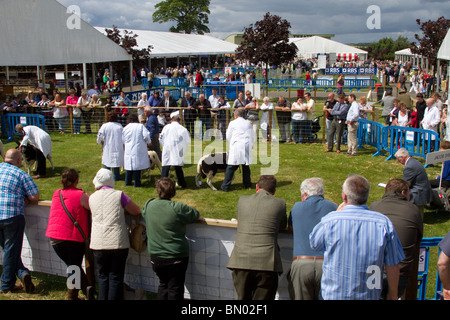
[446,171]
[15,185]
[358,243]
[304,216]
[125,100]
[152,125]
[153,102]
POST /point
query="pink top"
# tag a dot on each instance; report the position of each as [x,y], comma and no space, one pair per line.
[60,226]
[70,100]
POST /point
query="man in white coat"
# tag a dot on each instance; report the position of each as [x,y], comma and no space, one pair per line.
[241,137]
[110,137]
[431,119]
[42,141]
[135,137]
[174,139]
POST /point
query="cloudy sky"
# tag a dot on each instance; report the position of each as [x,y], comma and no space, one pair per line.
[346,19]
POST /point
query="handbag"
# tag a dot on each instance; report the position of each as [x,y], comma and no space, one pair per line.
[138,232]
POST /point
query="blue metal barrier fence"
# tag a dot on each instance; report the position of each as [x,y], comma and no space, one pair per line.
[418,142]
[10,120]
[423,272]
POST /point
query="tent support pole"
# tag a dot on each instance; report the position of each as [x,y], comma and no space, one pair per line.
[131,75]
[93,74]
[7,75]
[66,78]
[84,76]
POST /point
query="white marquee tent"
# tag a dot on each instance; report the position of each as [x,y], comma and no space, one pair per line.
[444,54]
[39,33]
[170,44]
[311,46]
[44,32]
[444,50]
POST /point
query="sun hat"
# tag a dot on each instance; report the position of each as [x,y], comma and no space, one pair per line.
[104,177]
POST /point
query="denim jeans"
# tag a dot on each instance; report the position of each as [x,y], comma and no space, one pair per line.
[116,172]
[229,173]
[133,175]
[61,123]
[110,271]
[76,124]
[296,130]
[11,239]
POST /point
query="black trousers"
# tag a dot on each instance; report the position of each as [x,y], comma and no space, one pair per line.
[41,163]
[72,253]
[172,274]
[179,173]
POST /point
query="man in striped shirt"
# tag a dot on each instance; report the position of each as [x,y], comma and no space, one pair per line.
[358,245]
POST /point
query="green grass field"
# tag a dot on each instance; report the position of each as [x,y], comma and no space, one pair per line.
[296,163]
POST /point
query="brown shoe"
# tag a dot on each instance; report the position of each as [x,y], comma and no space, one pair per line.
[16,288]
[328,150]
[38,177]
[27,283]
[338,151]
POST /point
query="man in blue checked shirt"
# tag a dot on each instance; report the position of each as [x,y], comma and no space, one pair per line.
[358,245]
[17,189]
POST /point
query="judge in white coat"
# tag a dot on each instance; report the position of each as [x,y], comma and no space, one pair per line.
[431,119]
[110,137]
[42,141]
[174,138]
[241,137]
[135,137]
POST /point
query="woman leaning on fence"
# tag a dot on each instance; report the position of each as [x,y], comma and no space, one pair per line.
[66,238]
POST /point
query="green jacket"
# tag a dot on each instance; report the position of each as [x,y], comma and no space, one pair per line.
[166,227]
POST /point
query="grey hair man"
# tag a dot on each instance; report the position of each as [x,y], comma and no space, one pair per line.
[414,173]
[306,268]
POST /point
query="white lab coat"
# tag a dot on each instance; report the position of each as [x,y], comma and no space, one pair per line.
[431,119]
[110,134]
[241,137]
[174,138]
[135,137]
[39,138]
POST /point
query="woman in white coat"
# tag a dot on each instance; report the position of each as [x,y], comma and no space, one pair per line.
[135,137]
[110,137]
[174,139]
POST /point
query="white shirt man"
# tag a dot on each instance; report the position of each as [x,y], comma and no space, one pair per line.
[110,136]
[352,126]
[431,117]
[241,137]
[174,139]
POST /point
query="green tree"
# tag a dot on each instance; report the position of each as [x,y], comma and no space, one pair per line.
[191,16]
[385,48]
